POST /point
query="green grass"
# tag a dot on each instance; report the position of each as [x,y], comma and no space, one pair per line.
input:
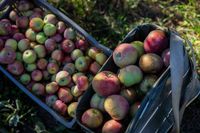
[109,21]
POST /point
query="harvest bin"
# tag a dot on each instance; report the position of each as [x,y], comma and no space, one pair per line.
[9,5]
[137,34]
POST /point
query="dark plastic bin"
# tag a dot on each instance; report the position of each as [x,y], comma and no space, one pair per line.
[147,104]
[9,5]
[137,34]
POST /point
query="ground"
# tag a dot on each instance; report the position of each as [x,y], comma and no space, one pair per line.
[108,21]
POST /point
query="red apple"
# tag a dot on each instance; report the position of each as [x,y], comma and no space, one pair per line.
[106,83]
[60,107]
[166,57]
[57,55]
[112,126]
[94,67]
[52,68]
[81,44]
[64,94]
[16,68]
[92,118]
[42,63]
[7,55]
[125,54]
[155,42]
[82,83]
[67,46]
[50,45]
[36,75]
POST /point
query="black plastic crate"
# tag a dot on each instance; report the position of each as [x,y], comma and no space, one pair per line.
[9,5]
[137,34]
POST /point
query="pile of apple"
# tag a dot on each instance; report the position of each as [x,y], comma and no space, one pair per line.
[118,95]
[49,58]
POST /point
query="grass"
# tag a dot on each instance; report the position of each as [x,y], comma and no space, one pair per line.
[109,21]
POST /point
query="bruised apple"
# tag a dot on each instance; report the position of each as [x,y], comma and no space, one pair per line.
[106,83]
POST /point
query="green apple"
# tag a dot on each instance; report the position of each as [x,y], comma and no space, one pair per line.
[41,38]
[25,78]
[29,56]
[12,43]
[40,51]
[23,45]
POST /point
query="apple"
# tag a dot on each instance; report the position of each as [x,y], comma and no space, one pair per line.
[116,106]
[52,68]
[139,46]
[97,102]
[42,63]
[16,68]
[72,109]
[13,15]
[81,44]
[5,27]
[67,59]
[64,94]
[57,55]
[81,64]
[36,24]
[112,126]
[63,78]
[50,45]
[61,27]
[22,22]
[100,58]
[92,118]
[125,54]
[12,43]
[82,83]
[23,45]
[41,37]
[156,42]
[50,18]
[70,68]
[29,56]
[76,92]
[151,63]
[36,75]
[18,36]
[166,57]
[92,52]
[106,83]
[76,54]
[30,67]
[30,34]
[57,37]
[51,99]
[70,34]
[51,88]
[94,67]
[60,107]
[49,29]
[25,78]
[76,75]
[67,46]
[40,51]
[130,75]
[38,89]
